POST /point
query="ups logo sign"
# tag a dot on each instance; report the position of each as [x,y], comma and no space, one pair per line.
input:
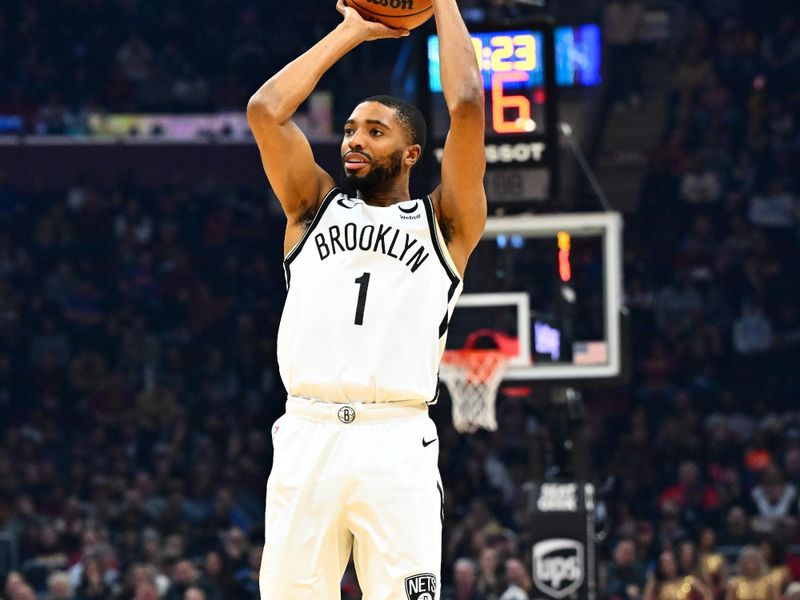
[558,566]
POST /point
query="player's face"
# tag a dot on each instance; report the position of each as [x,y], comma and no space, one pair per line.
[374,147]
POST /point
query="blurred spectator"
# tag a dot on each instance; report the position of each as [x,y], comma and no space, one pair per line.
[520,585]
[194,593]
[700,185]
[465,577]
[774,552]
[713,566]
[92,585]
[626,576]
[752,331]
[736,531]
[489,581]
[246,579]
[666,583]
[753,579]
[58,586]
[774,503]
[184,577]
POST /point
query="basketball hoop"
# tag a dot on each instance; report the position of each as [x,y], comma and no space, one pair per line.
[472,377]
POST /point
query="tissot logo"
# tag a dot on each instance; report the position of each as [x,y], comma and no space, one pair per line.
[558,566]
[421,587]
[346,414]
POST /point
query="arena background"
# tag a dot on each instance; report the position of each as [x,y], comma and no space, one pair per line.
[141,288]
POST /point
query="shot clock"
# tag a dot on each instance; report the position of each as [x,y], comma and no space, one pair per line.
[517,64]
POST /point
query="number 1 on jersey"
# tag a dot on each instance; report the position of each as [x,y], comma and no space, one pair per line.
[363,284]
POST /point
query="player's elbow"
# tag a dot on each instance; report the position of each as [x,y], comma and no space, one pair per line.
[258,108]
[467,104]
[263,106]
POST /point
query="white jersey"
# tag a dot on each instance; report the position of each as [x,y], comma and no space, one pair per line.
[370,294]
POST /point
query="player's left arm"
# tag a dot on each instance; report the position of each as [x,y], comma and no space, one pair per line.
[460,200]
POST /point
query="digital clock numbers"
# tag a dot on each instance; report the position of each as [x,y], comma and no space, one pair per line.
[512,66]
[507,52]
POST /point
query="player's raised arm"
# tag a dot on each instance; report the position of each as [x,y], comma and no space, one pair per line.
[460,199]
[300,183]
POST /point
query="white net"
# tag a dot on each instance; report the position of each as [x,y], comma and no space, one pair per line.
[472,378]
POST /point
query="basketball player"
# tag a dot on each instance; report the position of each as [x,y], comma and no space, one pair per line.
[372,281]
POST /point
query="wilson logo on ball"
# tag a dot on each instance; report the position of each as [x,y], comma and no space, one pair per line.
[401,4]
[399,14]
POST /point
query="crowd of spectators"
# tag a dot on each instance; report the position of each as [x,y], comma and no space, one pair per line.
[66,60]
[137,380]
[707,448]
[137,355]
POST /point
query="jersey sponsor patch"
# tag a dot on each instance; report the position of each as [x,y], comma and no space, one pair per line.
[421,587]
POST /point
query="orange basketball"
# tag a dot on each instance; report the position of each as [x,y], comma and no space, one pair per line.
[400,14]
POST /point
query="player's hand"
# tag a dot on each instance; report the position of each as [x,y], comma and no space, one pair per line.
[371,30]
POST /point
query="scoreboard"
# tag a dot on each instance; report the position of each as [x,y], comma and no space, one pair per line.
[523,65]
[518,68]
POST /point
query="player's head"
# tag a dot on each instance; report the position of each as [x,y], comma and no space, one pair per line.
[383,139]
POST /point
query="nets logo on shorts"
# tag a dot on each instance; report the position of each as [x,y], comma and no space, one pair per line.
[558,566]
[346,414]
[421,587]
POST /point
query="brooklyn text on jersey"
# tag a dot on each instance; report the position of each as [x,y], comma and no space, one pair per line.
[386,240]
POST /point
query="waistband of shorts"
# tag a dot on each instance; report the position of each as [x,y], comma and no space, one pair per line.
[352,412]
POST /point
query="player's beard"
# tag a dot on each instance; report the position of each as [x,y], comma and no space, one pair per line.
[379,173]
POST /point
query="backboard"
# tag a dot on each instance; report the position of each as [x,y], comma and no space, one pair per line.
[549,287]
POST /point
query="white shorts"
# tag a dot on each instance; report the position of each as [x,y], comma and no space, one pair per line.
[360,477]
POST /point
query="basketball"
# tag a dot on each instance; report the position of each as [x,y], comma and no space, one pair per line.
[400,14]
